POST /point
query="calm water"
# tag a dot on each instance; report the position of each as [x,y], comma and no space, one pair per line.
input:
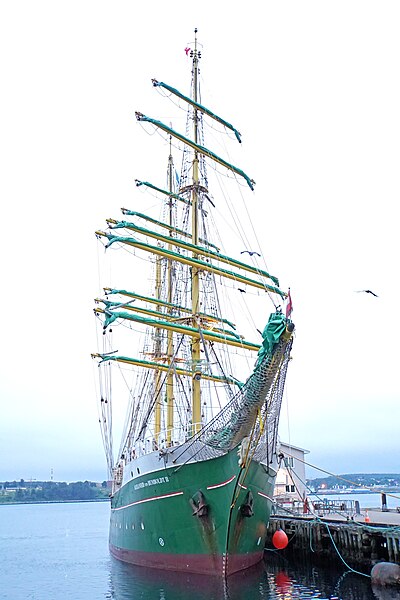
[60,552]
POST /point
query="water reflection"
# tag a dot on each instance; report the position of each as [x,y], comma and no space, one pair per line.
[301,579]
[130,583]
[274,579]
[381,593]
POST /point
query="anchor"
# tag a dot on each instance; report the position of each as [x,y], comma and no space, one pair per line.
[198,503]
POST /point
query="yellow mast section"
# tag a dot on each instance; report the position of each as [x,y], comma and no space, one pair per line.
[161,367]
[170,338]
[157,355]
[196,390]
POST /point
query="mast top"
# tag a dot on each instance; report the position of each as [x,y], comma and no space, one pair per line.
[194,53]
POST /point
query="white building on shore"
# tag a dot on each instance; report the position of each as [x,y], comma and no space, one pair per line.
[290,484]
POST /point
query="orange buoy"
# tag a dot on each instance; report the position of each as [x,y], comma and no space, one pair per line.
[280,539]
[366,518]
[282,582]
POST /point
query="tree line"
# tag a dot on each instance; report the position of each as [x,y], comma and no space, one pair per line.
[51,491]
[356,479]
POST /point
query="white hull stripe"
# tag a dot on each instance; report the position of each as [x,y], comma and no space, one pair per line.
[148,500]
[213,487]
[242,486]
[265,496]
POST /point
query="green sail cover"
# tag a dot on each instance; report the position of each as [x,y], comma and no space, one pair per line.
[168,304]
[271,335]
[198,147]
[229,336]
[202,108]
[134,213]
[194,248]
[166,192]
[112,239]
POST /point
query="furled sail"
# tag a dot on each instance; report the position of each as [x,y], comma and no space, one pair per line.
[198,106]
[200,149]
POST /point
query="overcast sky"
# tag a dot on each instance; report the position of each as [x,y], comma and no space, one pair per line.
[314,88]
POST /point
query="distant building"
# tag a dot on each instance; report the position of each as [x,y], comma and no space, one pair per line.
[290,481]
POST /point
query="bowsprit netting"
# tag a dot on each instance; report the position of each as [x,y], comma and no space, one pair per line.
[255,409]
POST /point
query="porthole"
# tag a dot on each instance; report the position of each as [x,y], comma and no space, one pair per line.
[258,541]
[161,541]
[142,525]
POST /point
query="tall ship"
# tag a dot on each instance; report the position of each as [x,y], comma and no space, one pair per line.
[195,337]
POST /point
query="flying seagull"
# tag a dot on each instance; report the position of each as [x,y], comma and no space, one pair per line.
[368,292]
[240,290]
[250,252]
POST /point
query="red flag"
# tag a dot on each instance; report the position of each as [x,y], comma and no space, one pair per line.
[187,50]
[289,305]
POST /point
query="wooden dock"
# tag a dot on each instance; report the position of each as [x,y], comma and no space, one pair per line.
[359,543]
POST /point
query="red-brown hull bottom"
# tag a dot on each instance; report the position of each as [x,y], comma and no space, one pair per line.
[204,564]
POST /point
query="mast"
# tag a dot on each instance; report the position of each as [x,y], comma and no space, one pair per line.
[195,346]
[170,339]
[157,356]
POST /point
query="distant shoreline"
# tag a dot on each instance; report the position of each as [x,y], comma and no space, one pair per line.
[13,503]
[351,492]
[318,493]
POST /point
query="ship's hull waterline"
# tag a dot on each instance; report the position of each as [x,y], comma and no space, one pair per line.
[205,517]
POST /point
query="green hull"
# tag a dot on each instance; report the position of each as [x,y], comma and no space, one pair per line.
[209,516]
